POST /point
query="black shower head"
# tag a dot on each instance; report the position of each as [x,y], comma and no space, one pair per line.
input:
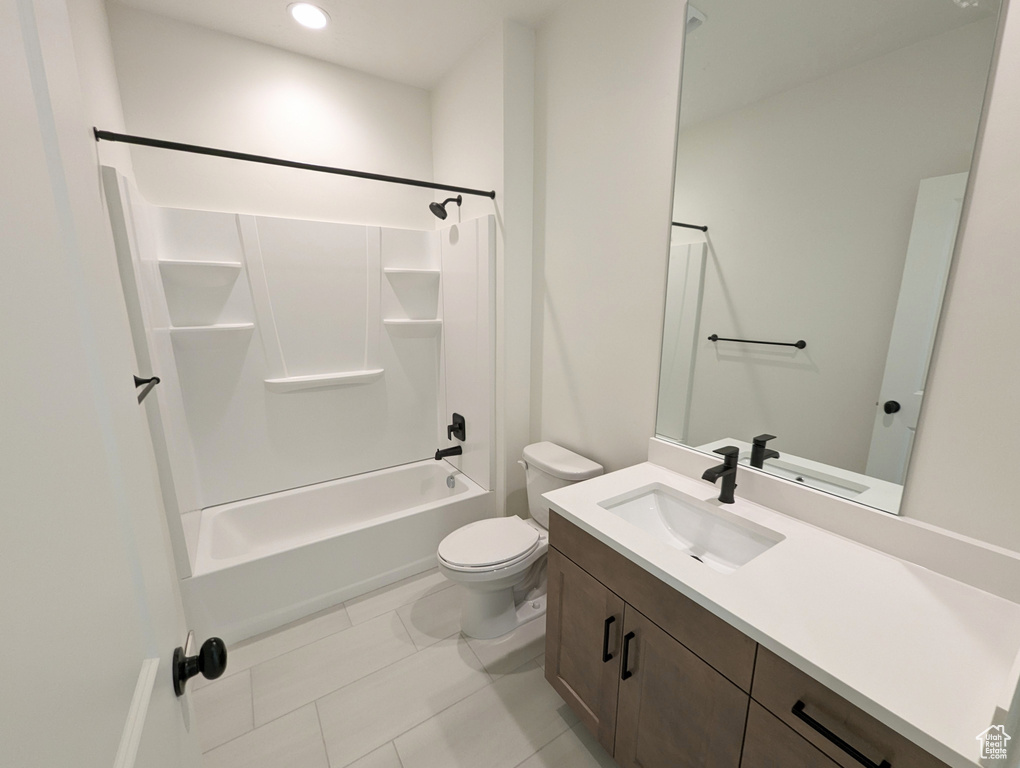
[439,209]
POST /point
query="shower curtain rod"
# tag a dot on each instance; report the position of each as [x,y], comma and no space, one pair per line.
[197,150]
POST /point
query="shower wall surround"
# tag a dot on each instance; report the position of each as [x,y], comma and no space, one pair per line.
[293,352]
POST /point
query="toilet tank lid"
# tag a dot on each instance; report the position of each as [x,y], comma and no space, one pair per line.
[559,462]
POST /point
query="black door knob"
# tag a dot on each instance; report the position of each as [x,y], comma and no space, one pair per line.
[891,406]
[211,662]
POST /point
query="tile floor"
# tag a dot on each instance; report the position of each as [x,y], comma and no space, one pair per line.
[386,680]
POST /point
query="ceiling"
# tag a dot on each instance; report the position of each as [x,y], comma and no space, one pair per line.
[409,41]
[747,50]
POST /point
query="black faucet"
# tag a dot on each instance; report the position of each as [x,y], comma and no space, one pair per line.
[727,471]
[443,453]
[759,452]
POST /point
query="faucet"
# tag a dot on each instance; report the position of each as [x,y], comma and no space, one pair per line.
[727,471]
[759,452]
[443,453]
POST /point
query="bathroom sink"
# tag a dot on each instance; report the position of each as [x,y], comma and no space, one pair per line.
[699,528]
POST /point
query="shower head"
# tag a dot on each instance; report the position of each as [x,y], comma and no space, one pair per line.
[439,209]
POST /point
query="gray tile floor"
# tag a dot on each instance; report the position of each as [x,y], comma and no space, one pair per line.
[386,680]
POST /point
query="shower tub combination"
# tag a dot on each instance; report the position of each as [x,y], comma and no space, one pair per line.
[266,561]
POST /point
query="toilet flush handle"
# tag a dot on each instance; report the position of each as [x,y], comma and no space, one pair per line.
[523,463]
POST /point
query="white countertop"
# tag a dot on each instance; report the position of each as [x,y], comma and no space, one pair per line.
[928,656]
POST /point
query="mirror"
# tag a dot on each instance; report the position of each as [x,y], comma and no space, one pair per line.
[826,147]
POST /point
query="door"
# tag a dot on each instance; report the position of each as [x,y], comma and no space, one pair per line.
[929,250]
[90,613]
[583,632]
[674,710]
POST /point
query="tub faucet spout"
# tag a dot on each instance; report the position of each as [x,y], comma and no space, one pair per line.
[444,452]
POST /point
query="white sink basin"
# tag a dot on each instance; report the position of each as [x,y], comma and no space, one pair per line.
[699,528]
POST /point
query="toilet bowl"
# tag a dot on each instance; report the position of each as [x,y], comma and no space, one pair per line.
[500,562]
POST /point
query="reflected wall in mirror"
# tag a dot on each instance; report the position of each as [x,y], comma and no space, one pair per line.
[826,146]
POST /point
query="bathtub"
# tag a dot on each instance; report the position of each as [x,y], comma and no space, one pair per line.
[266,561]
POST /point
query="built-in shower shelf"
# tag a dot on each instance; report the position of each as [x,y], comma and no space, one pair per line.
[323,380]
[218,328]
[200,274]
[397,272]
[203,335]
[400,327]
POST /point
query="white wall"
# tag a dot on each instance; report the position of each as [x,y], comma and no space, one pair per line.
[607,81]
[187,84]
[93,51]
[962,472]
[483,137]
[809,196]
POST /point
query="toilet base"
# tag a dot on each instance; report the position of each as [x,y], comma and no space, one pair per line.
[485,615]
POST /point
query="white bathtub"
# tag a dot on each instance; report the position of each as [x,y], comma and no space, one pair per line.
[263,562]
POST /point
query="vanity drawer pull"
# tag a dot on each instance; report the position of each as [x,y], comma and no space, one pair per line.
[798,711]
[626,653]
[606,655]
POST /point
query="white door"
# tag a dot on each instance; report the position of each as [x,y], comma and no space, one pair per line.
[932,236]
[89,613]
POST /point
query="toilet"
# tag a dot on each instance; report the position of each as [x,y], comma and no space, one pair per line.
[500,562]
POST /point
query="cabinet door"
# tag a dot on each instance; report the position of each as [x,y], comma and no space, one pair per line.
[770,743]
[675,711]
[584,624]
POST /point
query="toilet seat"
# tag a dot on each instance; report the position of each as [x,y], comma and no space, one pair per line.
[488,545]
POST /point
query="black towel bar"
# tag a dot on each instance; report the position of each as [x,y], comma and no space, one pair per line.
[798,344]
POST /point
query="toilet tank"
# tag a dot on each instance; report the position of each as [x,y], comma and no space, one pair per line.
[549,466]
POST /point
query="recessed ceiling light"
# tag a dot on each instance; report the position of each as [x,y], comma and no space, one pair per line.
[308,15]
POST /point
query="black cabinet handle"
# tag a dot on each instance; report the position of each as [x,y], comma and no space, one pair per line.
[891,406]
[626,653]
[606,655]
[856,754]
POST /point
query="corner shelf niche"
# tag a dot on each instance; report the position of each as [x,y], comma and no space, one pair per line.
[400,272]
[323,380]
[200,274]
[205,335]
[403,327]
[201,330]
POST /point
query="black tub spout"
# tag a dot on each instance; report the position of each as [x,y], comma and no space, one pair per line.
[444,452]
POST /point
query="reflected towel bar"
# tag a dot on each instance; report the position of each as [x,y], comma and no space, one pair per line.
[798,344]
[197,150]
[690,226]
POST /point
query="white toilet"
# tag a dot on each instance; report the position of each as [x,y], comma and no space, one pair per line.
[500,562]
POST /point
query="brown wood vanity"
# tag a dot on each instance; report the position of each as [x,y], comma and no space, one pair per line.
[663,683]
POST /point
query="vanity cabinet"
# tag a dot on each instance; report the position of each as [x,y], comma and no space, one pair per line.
[770,743]
[583,624]
[664,683]
[830,722]
[673,709]
[649,698]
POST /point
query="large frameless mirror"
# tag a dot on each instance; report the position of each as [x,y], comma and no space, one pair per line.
[826,146]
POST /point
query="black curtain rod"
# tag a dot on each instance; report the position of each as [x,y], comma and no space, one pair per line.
[690,226]
[197,150]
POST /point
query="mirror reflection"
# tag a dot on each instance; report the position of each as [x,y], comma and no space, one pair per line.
[826,146]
